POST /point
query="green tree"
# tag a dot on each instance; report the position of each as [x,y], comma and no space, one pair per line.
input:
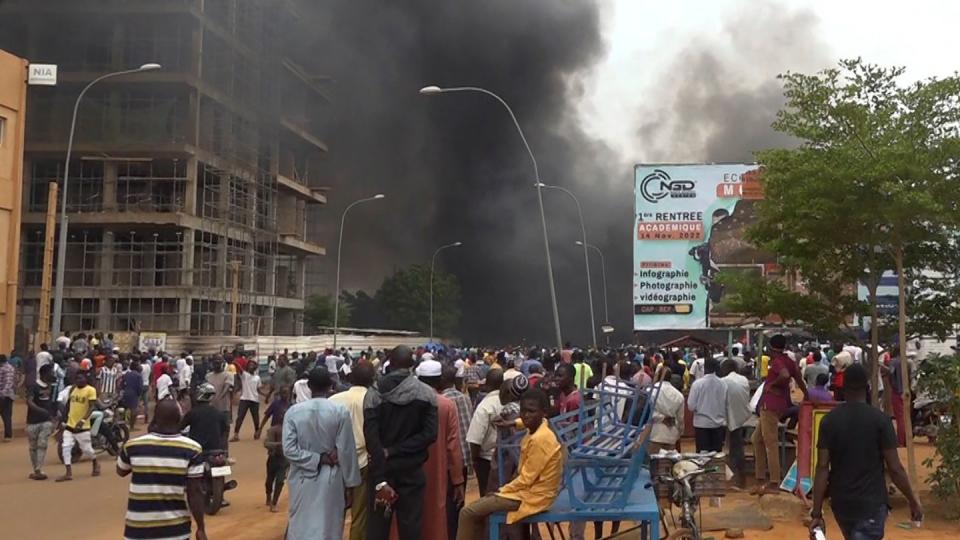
[318,311]
[871,186]
[365,311]
[939,378]
[758,298]
[404,298]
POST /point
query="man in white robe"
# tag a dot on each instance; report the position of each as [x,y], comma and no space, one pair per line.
[318,442]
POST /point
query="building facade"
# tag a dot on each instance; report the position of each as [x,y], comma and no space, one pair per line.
[13,95]
[189,186]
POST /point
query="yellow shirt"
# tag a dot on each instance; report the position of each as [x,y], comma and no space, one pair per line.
[352,399]
[231,369]
[80,403]
[538,480]
[582,373]
[764,365]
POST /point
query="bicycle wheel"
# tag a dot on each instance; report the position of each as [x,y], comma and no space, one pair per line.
[683,534]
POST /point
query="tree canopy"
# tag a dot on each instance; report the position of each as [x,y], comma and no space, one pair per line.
[873,179]
[403,303]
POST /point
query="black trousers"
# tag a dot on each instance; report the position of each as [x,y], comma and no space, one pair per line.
[6,413]
[254,408]
[277,466]
[482,468]
[710,439]
[408,509]
[736,458]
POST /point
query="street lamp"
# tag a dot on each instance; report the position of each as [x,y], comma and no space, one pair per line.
[336,293]
[433,262]
[603,274]
[64,222]
[435,90]
[586,258]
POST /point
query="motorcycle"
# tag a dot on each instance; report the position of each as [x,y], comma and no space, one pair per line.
[215,470]
[928,417]
[111,436]
[114,431]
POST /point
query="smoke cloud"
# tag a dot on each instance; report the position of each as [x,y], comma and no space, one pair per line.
[453,167]
[720,95]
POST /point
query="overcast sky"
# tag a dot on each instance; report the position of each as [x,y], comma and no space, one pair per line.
[644,38]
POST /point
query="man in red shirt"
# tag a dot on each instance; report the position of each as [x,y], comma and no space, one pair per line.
[569,398]
[773,404]
[159,369]
[241,362]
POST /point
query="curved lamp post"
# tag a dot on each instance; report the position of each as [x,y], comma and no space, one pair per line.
[586,258]
[436,90]
[603,274]
[336,293]
[64,223]
[433,262]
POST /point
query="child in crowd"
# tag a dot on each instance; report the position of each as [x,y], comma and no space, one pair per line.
[537,482]
[277,464]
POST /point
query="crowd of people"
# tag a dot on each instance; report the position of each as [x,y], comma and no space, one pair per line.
[400,433]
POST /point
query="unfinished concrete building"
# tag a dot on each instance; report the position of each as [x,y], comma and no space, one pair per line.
[188,186]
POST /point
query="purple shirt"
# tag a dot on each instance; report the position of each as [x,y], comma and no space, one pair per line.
[819,394]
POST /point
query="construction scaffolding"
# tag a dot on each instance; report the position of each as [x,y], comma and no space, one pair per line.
[189,195]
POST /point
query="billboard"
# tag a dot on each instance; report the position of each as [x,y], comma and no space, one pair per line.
[674,255]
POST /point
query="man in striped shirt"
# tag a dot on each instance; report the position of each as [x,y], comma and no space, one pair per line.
[166,482]
[108,377]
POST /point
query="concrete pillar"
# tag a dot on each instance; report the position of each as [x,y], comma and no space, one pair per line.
[190,190]
[221,317]
[272,275]
[149,270]
[266,324]
[104,312]
[301,268]
[106,278]
[187,257]
[108,193]
[183,317]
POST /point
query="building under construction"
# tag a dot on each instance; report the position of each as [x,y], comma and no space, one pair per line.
[189,186]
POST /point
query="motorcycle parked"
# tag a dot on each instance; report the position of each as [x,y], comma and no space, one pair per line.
[215,471]
[929,417]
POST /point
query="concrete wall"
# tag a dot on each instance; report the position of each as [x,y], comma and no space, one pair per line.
[13,96]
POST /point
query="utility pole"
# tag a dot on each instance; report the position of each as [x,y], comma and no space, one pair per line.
[46,282]
[235,307]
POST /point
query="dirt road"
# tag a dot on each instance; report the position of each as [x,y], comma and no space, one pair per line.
[93,508]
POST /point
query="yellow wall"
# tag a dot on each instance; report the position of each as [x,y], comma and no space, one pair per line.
[13,99]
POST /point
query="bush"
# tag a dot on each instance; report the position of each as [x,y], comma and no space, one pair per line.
[939,377]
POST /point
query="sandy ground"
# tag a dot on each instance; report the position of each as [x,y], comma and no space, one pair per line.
[93,508]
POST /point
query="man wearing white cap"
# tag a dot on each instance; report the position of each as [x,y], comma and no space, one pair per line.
[444,467]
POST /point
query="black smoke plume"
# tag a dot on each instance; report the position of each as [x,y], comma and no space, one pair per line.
[453,168]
